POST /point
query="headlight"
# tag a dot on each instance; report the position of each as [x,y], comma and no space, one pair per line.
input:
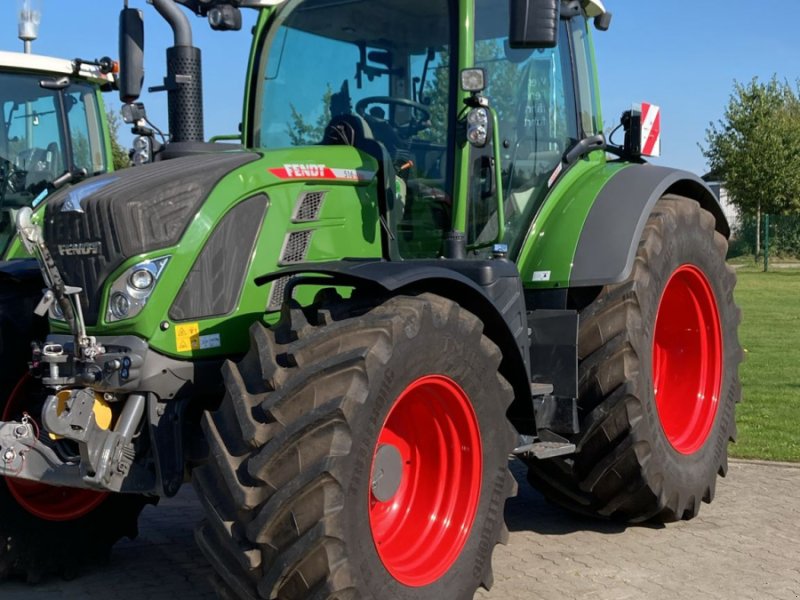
[478,127]
[119,306]
[131,291]
[142,280]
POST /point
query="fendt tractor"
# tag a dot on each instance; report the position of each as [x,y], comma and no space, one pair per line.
[424,257]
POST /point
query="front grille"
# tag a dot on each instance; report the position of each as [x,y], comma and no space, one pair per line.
[94,227]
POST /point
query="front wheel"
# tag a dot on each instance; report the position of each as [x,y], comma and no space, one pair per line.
[658,382]
[368,458]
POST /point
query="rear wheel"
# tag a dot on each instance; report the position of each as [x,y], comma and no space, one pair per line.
[369,461]
[46,530]
[659,355]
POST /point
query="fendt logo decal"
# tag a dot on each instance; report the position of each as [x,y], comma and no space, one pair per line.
[321,173]
[80,249]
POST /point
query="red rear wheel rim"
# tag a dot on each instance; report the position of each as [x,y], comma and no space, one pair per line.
[687,359]
[421,530]
[44,501]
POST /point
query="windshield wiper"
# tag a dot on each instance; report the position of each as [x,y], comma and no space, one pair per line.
[71,176]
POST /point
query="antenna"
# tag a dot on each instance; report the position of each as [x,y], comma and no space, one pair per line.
[30,16]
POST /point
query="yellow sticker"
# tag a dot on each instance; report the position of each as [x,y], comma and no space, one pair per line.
[187,337]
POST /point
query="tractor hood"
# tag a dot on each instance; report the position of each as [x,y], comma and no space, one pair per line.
[92,228]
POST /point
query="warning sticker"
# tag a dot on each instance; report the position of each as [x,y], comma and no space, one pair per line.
[541,276]
[187,337]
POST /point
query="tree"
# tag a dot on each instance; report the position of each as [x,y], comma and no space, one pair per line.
[302,133]
[755,148]
[119,155]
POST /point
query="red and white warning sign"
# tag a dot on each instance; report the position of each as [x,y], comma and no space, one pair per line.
[651,128]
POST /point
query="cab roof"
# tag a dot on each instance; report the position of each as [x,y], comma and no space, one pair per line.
[36,63]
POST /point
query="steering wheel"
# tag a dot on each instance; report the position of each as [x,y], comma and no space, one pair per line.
[417,108]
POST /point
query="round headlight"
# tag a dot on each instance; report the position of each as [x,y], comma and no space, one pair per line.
[478,116]
[142,280]
[120,305]
[477,135]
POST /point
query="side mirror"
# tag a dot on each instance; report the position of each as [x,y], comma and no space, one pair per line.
[131,54]
[534,24]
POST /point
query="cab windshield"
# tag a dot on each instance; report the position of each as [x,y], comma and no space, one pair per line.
[383,66]
[38,145]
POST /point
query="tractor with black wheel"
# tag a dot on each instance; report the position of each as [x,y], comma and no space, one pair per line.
[424,258]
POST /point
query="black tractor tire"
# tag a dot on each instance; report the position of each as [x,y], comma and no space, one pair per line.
[32,547]
[627,466]
[289,486]
[18,326]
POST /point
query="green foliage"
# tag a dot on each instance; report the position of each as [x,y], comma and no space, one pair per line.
[302,133]
[768,416]
[119,155]
[755,148]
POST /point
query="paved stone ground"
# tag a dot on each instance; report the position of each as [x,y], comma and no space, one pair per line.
[746,545]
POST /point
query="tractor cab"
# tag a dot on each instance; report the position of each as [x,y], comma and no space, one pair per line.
[52,127]
[385,76]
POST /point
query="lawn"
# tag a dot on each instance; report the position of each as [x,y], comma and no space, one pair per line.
[769,416]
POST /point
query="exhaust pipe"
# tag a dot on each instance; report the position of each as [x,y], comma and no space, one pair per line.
[184,81]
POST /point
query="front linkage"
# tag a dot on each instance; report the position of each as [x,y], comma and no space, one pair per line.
[88,381]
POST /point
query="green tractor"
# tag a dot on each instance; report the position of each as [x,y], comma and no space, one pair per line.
[53,131]
[424,258]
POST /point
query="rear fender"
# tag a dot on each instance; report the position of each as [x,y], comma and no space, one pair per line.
[589,228]
[607,245]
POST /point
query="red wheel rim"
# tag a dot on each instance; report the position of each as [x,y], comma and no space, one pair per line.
[45,501]
[421,530]
[687,359]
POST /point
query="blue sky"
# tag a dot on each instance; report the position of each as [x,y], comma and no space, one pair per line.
[681,54]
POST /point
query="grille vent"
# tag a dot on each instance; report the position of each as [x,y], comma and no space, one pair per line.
[276,293]
[295,247]
[309,205]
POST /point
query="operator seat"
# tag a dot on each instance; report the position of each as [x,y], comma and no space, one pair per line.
[353,130]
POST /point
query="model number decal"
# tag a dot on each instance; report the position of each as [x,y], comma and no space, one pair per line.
[321,172]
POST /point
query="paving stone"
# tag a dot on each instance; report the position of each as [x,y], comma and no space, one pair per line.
[744,545]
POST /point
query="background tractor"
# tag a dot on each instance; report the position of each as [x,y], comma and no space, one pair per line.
[54,132]
[424,257]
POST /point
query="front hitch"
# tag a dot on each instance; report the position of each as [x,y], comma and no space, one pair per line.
[106,455]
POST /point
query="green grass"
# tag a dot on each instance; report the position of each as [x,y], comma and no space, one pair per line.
[769,416]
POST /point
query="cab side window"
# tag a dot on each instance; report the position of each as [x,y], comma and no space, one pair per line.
[533,93]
